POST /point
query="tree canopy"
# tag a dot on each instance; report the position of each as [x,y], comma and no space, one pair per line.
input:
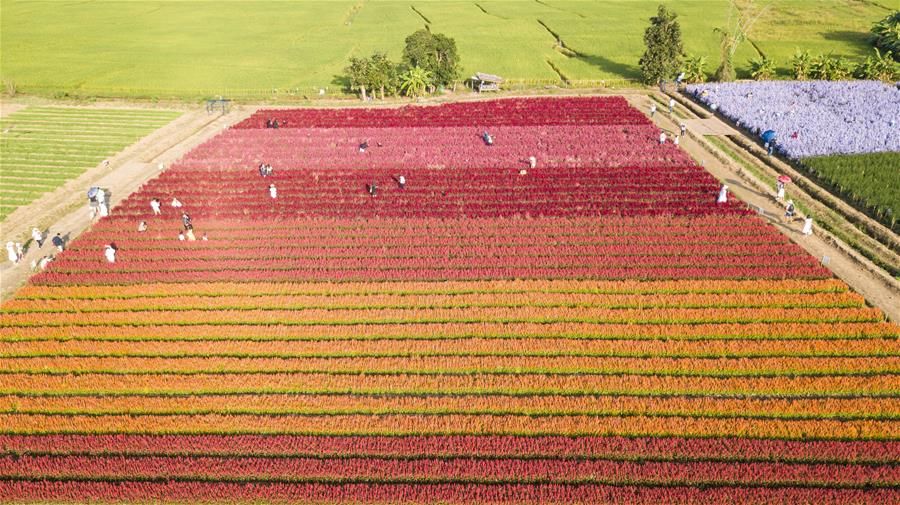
[662,58]
[434,52]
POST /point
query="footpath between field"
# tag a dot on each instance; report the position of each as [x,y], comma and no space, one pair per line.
[863,276]
[65,210]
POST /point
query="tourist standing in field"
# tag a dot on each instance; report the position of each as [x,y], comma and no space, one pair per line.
[652,109]
[723,194]
[142,226]
[37,236]
[671,105]
[789,210]
[110,252]
[176,202]
[779,190]
[401,181]
[273,191]
[683,128]
[662,137]
[532,162]
[372,189]
[186,221]
[154,204]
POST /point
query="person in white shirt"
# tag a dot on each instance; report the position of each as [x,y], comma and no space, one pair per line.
[176,202]
[11,252]
[37,236]
[807,226]
[532,162]
[154,204]
[662,137]
[110,253]
[723,194]
[671,105]
[652,109]
[273,191]
[675,140]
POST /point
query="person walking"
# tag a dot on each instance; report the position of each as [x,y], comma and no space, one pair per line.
[652,109]
[104,210]
[154,204]
[532,162]
[683,128]
[488,139]
[186,221]
[807,226]
[59,242]
[662,137]
[372,189]
[273,191]
[779,191]
[11,253]
[723,194]
[110,252]
[671,106]
[37,236]
[401,181]
[675,140]
[789,210]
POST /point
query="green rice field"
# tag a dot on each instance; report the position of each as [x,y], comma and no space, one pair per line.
[264,49]
[41,148]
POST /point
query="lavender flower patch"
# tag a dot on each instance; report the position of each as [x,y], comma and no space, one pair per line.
[812,118]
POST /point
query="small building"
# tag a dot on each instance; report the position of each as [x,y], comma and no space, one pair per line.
[485,82]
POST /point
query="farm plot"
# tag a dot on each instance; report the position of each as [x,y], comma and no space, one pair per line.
[594,330]
[44,147]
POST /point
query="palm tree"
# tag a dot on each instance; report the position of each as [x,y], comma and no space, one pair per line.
[414,81]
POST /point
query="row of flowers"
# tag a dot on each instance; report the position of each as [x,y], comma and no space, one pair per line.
[413,492]
[109,276]
[423,470]
[498,286]
[625,448]
[789,330]
[848,408]
[522,111]
[449,424]
[475,300]
[151,345]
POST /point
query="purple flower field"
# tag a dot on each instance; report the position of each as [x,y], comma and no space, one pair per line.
[812,118]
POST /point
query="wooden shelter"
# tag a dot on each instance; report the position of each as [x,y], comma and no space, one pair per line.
[485,82]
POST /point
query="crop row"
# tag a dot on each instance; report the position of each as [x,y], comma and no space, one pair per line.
[449,315]
[509,383]
[496,287]
[704,406]
[558,300]
[537,447]
[450,424]
[448,331]
[413,492]
[423,470]
[109,276]
[545,345]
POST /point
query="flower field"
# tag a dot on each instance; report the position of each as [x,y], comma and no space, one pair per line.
[594,330]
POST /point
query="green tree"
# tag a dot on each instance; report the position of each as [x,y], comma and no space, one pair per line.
[382,73]
[695,69]
[359,73]
[662,58]
[762,68]
[415,81]
[886,34]
[435,53]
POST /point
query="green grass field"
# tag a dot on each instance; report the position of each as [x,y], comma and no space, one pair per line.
[41,148]
[192,49]
[868,180]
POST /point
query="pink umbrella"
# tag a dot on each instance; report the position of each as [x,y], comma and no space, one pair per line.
[783,178]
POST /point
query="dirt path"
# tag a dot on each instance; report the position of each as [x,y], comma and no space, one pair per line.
[65,210]
[866,283]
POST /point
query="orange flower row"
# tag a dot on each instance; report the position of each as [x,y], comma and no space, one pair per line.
[425,288]
[452,424]
[473,300]
[523,383]
[460,364]
[869,346]
[493,314]
[456,330]
[709,406]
